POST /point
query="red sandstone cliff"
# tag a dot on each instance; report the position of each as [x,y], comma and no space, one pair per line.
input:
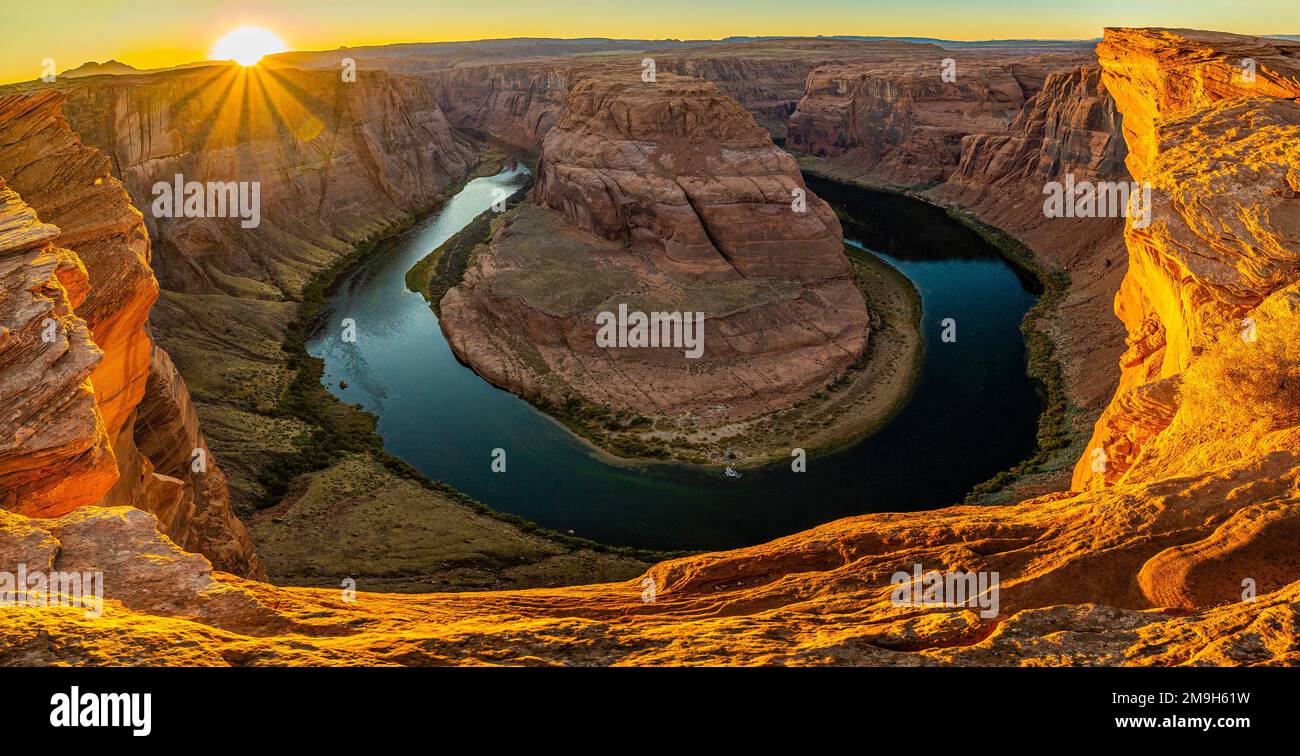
[769,77]
[903,122]
[663,196]
[336,162]
[1070,126]
[516,103]
[110,422]
[680,167]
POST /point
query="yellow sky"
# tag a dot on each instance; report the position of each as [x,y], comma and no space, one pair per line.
[152,34]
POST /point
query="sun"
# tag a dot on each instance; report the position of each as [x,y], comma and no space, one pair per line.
[246,45]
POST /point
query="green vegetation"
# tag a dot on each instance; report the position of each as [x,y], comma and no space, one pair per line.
[617,431]
[444,267]
[337,429]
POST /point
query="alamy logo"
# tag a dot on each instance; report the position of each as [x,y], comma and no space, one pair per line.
[677,330]
[950,589]
[77,709]
[1099,199]
[37,588]
[648,593]
[214,199]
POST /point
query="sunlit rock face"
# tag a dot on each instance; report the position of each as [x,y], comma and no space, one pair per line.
[54,450]
[819,597]
[662,197]
[69,186]
[99,415]
[1221,152]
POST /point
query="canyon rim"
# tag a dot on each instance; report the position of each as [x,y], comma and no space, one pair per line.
[415,317]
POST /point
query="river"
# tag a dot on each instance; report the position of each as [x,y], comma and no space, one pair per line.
[973,413]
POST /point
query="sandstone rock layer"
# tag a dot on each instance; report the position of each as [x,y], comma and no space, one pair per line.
[97,414]
[1220,155]
[903,122]
[662,197]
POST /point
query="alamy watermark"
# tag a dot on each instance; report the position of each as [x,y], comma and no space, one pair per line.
[38,588]
[1098,199]
[77,709]
[949,589]
[635,329]
[213,199]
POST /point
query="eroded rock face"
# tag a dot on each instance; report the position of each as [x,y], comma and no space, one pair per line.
[1220,154]
[110,422]
[768,77]
[662,197]
[1071,126]
[69,186]
[903,122]
[55,453]
[682,168]
[516,103]
[334,161]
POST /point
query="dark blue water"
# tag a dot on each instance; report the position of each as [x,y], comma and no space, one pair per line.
[974,411]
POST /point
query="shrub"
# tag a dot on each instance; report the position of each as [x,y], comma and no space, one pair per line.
[1248,384]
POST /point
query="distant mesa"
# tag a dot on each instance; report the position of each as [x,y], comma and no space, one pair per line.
[107,68]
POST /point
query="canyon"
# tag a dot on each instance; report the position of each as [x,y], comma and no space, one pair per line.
[226,298]
[1191,397]
[95,412]
[661,197]
[878,114]
[362,158]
